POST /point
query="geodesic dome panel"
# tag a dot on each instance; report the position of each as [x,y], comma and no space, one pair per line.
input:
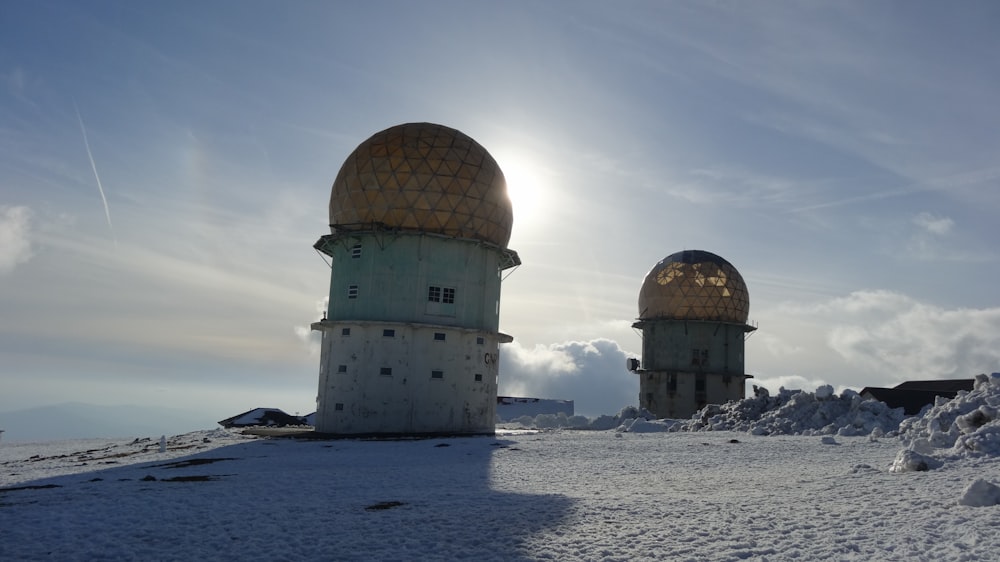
[426,177]
[694,285]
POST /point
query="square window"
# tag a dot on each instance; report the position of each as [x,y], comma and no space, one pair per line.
[480,340]
[352,291]
[341,368]
[385,371]
[479,377]
[356,251]
[437,374]
[388,333]
[440,301]
[338,406]
[439,336]
[345,331]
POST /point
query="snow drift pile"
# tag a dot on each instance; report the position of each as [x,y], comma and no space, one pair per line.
[561,420]
[795,412]
[791,412]
[965,426]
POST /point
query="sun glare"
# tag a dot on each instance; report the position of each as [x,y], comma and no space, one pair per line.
[525,187]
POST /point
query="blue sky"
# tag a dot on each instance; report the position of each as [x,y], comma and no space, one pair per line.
[165,168]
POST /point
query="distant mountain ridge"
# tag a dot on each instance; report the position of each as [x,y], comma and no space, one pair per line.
[78,420]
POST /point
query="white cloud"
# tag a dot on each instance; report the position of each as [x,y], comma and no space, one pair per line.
[911,340]
[791,382]
[778,346]
[881,337]
[311,339]
[869,305]
[737,186]
[870,338]
[933,224]
[931,240]
[591,373]
[15,237]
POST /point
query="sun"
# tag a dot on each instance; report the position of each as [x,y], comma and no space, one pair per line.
[525,186]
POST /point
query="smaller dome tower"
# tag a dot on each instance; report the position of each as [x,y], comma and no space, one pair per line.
[693,310]
[694,285]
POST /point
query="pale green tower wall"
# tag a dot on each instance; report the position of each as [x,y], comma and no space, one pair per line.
[668,345]
[688,364]
[392,274]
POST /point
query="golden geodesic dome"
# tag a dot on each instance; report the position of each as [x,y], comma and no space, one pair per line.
[425,177]
[694,285]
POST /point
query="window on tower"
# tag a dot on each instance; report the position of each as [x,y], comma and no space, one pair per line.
[356,251]
[441,294]
[352,291]
[441,300]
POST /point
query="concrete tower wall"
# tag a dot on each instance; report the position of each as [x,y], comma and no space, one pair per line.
[679,345]
[399,378]
[679,394]
[688,364]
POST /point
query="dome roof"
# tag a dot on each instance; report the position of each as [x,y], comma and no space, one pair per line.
[694,285]
[426,177]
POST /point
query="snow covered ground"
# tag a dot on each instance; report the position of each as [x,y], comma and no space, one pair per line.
[798,480]
[556,495]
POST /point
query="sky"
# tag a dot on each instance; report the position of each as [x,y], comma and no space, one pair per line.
[165,168]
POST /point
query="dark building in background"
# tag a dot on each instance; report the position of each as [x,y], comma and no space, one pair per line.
[913,396]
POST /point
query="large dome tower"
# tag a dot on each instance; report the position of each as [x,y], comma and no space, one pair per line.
[693,310]
[419,225]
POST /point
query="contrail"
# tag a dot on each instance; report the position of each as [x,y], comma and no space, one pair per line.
[93,166]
